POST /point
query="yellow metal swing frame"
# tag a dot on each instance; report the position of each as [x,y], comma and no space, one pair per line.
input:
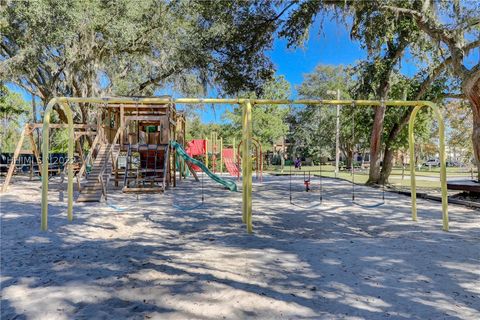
[247,135]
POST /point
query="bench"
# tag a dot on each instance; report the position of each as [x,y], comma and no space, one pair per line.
[464,185]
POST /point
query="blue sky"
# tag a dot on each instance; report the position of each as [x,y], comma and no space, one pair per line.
[330,46]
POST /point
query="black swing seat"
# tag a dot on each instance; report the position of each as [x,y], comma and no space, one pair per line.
[319,203]
[375,205]
[368,206]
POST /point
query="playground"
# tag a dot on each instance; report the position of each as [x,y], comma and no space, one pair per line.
[144,257]
[230,159]
[188,229]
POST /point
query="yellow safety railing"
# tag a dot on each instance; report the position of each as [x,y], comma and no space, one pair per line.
[246,105]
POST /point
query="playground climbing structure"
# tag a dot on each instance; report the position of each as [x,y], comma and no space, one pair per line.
[133,149]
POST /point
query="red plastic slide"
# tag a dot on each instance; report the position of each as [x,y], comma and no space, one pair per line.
[230,162]
[194,148]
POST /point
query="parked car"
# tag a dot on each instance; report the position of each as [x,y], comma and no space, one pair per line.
[454,164]
[432,163]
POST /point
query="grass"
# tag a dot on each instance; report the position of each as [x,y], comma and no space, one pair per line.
[361,176]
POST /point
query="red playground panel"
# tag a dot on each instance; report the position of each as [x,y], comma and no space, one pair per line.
[194,148]
[229,161]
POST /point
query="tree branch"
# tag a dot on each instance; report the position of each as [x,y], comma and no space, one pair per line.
[431,28]
[425,24]
[432,77]
[451,95]
[282,12]
[470,46]
[152,80]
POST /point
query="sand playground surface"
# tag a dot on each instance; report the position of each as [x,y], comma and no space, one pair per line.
[149,258]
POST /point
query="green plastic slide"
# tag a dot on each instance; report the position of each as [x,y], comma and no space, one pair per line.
[230,185]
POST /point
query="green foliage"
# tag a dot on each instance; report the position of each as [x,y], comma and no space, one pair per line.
[325,78]
[268,120]
[13,111]
[59,141]
[198,130]
[312,128]
[135,47]
[458,118]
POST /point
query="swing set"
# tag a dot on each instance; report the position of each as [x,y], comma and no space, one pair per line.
[247,137]
[307,179]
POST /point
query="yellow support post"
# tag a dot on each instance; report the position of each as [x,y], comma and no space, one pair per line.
[45,150]
[247,165]
[221,155]
[443,165]
[244,156]
[411,145]
[206,152]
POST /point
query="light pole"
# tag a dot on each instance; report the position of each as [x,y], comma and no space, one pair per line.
[337,132]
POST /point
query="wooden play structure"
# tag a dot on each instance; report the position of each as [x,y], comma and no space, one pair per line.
[132,148]
[28,132]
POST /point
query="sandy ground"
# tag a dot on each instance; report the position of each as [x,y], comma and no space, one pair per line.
[144,258]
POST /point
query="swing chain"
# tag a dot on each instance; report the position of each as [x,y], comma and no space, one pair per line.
[353,150]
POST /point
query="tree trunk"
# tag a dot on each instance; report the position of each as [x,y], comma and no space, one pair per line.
[471,89]
[387,165]
[375,145]
[395,51]
[349,159]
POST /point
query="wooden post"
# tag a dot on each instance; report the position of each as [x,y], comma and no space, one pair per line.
[80,150]
[109,124]
[45,150]
[122,124]
[34,147]
[11,168]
